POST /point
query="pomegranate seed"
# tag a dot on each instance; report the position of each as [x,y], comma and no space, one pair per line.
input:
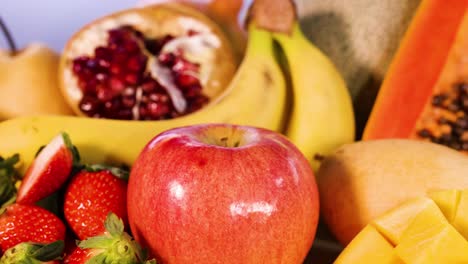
[115,69]
[182,65]
[143,111]
[158,97]
[114,104]
[125,114]
[149,86]
[89,105]
[186,80]
[167,59]
[105,94]
[131,47]
[79,64]
[116,84]
[132,79]
[102,77]
[103,53]
[128,101]
[136,63]
[129,91]
[157,109]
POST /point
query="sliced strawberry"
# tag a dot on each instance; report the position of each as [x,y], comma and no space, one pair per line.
[34,253]
[49,170]
[112,246]
[29,223]
[91,195]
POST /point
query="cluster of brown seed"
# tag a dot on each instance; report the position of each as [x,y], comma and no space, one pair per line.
[457,104]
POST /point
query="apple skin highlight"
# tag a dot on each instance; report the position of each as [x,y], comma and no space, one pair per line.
[223,194]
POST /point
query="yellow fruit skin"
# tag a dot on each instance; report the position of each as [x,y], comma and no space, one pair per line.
[368,247]
[258,82]
[29,84]
[322,117]
[363,180]
[430,239]
[393,224]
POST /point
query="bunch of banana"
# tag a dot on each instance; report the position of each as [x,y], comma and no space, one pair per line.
[320,119]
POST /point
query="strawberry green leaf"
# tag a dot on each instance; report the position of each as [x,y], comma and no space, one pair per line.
[119,172]
[8,177]
[115,245]
[33,253]
[96,242]
[49,251]
[114,225]
[73,149]
[7,203]
[39,150]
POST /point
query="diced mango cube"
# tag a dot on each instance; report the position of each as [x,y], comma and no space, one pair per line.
[447,201]
[431,239]
[369,246]
[460,221]
[393,223]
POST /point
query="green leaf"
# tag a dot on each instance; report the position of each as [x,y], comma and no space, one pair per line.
[32,253]
[8,177]
[7,203]
[119,172]
[9,162]
[96,242]
[49,251]
[114,225]
[72,148]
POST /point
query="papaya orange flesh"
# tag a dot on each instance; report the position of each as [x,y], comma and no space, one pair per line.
[425,92]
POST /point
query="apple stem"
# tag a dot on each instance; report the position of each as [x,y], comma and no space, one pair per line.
[8,36]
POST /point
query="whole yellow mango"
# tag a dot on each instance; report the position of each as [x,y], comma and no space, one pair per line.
[363,180]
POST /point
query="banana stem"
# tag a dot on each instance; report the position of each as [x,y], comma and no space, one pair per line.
[8,36]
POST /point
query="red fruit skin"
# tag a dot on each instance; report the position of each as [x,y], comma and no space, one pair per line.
[78,256]
[90,197]
[51,178]
[191,202]
[29,223]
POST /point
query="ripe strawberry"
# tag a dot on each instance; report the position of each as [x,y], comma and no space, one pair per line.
[49,170]
[93,193]
[29,223]
[34,253]
[112,246]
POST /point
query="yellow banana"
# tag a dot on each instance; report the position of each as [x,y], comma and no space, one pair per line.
[256,97]
[322,116]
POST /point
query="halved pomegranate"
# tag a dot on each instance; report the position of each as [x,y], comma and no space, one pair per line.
[152,63]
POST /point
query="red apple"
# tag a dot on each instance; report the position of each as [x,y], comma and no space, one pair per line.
[222,193]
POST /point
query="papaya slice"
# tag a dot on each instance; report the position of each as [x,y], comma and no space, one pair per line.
[424,94]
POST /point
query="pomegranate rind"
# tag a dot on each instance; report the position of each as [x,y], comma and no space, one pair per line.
[153,21]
